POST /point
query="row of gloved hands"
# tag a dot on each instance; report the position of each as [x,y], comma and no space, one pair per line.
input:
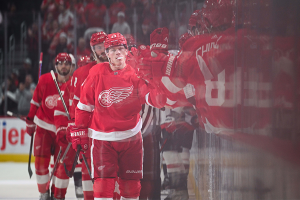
[64,135]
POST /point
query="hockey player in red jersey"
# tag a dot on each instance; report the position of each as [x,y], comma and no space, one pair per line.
[208,62]
[79,76]
[41,120]
[108,112]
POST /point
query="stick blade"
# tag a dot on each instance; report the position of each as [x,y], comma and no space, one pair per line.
[9,113]
[69,174]
[29,171]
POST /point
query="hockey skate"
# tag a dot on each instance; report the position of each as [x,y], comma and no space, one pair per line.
[45,196]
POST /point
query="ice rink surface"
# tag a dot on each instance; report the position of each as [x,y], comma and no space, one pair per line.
[15,183]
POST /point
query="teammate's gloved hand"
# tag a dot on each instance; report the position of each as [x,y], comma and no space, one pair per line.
[159,39]
[61,136]
[132,57]
[144,51]
[156,66]
[79,137]
[30,126]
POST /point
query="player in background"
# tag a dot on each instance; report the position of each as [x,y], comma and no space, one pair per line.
[110,101]
[177,136]
[61,123]
[79,76]
[41,120]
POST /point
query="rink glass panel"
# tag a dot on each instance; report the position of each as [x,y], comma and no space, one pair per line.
[259,164]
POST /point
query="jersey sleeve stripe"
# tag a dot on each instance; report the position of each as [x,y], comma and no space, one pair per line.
[147,100]
[84,107]
[35,103]
[170,102]
[169,85]
[44,125]
[76,97]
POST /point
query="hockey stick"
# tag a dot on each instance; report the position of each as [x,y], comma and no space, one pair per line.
[31,142]
[87,166]
[14,115]
[70,173]
[54,168]
[40,67]
[66,110]
[60,95]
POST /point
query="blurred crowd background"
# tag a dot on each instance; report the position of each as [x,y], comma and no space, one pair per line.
[53,26]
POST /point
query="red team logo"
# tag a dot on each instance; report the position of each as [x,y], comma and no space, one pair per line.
[51,101]
[114,95]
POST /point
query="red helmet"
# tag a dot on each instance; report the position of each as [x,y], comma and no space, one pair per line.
[194,18]
[216,13]
[63,58]
[84,60]
[115,39]
[183,38]
[98,38]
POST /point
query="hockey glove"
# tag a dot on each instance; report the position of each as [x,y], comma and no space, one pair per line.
[61,136]
[159,39]
[80,137]
[155,67]
[132,57]
[30,126]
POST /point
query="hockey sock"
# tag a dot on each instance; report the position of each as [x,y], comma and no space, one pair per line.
[61,181]
[42,172]
[87,184]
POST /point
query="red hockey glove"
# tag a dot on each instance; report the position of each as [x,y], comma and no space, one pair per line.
[30,126]
[144,51]
[154,68]
[80,137]
[159,39]
[132,57]
[61,136]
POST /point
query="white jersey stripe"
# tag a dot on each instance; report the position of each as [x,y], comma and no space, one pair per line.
[76,97]
[169,85]
[35,103]
[44,125]
[116,135]
[84,107]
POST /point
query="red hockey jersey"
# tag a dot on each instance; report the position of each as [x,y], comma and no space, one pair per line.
[43,102]
[77,79]
[115,98]
[232,93]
